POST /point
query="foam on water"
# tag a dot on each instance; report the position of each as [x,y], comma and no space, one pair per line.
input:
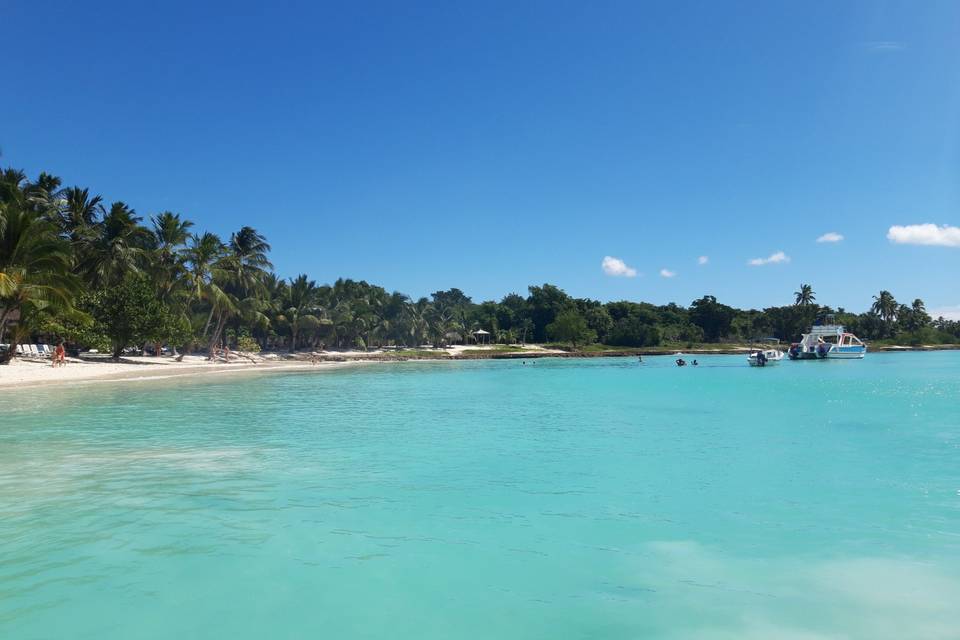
[596,499]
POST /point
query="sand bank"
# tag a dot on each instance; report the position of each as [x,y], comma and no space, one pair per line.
[29,373]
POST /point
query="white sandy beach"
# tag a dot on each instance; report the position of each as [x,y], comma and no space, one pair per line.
[28,373]
[25,372]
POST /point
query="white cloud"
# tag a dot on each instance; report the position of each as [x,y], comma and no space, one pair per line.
[703,260]
[884,46]
[926,234]
[775,258]
[950,313]
[617,268]
[666,273]
[831,236]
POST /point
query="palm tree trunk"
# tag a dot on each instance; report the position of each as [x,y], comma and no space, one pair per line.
[11,348]
[209,318]
[293,337]
[215,337]
[3,324]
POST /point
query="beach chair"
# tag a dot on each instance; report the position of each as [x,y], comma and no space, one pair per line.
[33,350]
[42,350]
[21,351]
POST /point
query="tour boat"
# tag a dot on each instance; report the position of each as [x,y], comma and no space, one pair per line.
[764,357]
[827,341]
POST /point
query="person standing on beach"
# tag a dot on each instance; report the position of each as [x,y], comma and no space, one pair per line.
[59,355]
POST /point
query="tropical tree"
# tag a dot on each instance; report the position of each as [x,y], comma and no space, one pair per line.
[885,306]
[113,247]
[711,316]
[570,326]
[35,271]
[239,274]
[168,237]
[246,261]
[129,313]
[302,310]
[78,212]
[804,296]
[202,257]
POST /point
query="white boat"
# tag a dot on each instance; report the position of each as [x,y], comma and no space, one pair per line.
[828,341]
[764,357]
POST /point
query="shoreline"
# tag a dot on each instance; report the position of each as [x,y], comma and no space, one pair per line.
[95,372]
[387,356]
[24,374]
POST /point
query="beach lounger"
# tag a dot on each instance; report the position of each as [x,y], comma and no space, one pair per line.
[21,351]
[42,350]
[33,350]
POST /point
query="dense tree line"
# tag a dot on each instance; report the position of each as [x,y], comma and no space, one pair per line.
[98,275]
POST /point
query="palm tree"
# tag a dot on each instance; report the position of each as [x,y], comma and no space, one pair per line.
[274,296]
[203,256]
[118,247]
[885,306]
[301,307]
[418,321]
[35,274]
[247,259]
[916,315]
[240,275]
[45,196]
[169,235]
[804,296]
[78,212]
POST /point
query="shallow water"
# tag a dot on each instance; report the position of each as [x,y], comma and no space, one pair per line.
[557,499]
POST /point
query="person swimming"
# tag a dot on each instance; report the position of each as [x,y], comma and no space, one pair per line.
[681,362]
[695,363]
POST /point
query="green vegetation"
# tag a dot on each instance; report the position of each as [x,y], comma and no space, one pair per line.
[497,348]
[72,267]
[587,348]
[130,313]
[570,326]
[418,353]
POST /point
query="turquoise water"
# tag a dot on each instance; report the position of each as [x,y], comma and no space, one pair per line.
[563,499]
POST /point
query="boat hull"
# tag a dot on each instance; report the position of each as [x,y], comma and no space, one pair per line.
[836,353]
[828,341]
[847,353]
[772,357]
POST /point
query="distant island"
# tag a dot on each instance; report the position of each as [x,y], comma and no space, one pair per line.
[95,276]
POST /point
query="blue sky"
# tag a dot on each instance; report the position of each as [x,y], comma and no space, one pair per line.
[494,145]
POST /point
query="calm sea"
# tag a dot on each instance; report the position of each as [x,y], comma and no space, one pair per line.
[558,499]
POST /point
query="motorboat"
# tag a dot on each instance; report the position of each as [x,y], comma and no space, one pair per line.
[764,357]
[827,341]
[767,351]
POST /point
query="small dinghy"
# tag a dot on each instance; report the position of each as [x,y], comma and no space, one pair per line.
[765,351]
[765,357]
